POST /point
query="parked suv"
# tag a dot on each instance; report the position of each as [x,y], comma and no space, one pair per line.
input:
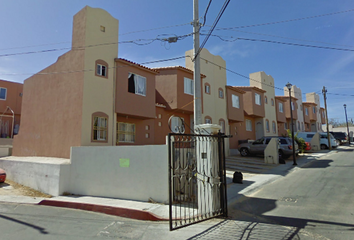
[341,137]
[257,147]
[307,136]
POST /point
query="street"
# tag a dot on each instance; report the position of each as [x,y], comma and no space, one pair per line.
[314,201]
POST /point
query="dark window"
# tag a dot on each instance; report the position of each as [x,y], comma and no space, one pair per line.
[283,141]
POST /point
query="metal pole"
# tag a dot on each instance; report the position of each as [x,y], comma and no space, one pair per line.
[197,81]
[346,117]
[324,91]
[292,129]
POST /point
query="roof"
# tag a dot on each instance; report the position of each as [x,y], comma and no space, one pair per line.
[236,89]
[178,68]
[309,103]
[250,88]
[286,97]
[160,105]
[135,65]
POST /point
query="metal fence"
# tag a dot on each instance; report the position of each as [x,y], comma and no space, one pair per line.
[197,178]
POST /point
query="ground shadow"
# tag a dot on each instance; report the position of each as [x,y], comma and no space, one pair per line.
[247,220]
[40,229]
[323,163]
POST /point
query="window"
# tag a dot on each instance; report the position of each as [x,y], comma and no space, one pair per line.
[101,68]
[248,125]
[235,101]
[100,128]
[274,127]
[272,101]
[306,111]
[207,88]
[188,86]
[221,93]
[126,132]
[222,124]
[281,107]
[285,126]
[314,109]
[3,92]
[177,125]
[102,28]
[267,125]
[136,84]
[257,98]
[301,107]
[298,125]
[265,99]
[208,120]
[292,106]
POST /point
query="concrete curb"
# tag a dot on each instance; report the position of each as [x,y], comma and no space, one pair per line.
[116,211]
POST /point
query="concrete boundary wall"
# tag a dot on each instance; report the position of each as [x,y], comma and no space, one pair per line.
[126,172]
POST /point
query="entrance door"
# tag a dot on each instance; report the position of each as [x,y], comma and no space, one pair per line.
[259,130]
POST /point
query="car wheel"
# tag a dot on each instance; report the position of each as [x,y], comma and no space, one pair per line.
[244,152]
[281,154]
[338,142]
[323,146]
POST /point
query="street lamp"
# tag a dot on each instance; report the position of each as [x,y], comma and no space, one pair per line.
[288,85]
[346,118]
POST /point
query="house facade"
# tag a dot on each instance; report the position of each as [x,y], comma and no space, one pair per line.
[10,108]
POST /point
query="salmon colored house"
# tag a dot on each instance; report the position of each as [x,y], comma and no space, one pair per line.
[10,108]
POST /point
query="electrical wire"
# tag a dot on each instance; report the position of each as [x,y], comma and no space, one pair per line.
[284,43]
[221,12]
[285,21]
[206,12]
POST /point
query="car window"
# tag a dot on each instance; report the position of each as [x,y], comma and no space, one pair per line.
[323,136]
[310,135]
[283,141]
[267,140]
[258,141]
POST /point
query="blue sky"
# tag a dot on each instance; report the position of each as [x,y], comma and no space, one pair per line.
[41,24]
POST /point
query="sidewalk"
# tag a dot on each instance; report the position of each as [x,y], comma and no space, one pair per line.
[159,212]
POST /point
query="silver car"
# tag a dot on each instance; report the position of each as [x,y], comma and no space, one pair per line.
[257,147]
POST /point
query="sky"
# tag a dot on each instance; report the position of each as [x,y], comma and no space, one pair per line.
[251,36]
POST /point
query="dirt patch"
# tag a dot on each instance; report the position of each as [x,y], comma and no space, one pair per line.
[12,188]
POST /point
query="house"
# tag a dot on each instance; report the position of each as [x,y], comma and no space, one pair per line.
[281,118]
[10,108]
[288,112]
[71,102]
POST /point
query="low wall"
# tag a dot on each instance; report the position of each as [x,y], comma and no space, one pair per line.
[48,175]
[127,172]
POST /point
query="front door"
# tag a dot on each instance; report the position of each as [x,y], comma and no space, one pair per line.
[259,130]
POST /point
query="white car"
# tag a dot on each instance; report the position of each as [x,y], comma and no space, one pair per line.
[307,136]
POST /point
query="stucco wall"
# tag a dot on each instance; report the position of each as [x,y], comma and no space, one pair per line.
[103,171]
[266,82]
[98,92]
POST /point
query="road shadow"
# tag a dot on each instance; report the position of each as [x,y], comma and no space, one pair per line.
[248,220]
[40,229]
[323,163]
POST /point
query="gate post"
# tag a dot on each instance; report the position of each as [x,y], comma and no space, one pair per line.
[207,154]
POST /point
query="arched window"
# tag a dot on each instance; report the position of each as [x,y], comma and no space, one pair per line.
[222,124]
[99,128]
[221,93]
[265,99]
[208,120]
[267,125]
[272,101]
[101,68]
[274,127]
[207,88]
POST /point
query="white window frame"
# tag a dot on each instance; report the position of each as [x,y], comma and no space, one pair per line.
[188,86]
[235,101]
[281,109]
[306,111]
[221,93]
[139,84]
[257,98]
[248,125]
[1,89]
[101,70]
[207,89]
[127,130]
[101,128]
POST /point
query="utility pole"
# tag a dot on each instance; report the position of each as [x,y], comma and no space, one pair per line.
[324,91]
[346,118]
[197,81]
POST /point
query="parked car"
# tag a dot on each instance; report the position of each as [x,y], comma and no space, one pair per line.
[257,147]
[341,137]
[2,175]
[307,136]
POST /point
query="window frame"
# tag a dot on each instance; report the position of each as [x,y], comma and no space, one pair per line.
[180,121]
[98,72]
[265,100]
[257,99]
[126,132]
[272,101]
[185,85]
[306,111]
[274,127]
[222,124]
[95,137]
[249,125]
[267,126]
[233,97]
[207,88]
[281,108]
[3,99]
[137,79]
[221,93]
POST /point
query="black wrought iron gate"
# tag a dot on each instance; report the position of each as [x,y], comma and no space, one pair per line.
[197,178]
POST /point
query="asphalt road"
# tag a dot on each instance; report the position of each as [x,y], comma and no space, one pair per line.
[316,200]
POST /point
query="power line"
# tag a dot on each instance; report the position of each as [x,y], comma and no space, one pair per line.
[221,12]
[284,43]
[206,12]
[285,21]
[342,94]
